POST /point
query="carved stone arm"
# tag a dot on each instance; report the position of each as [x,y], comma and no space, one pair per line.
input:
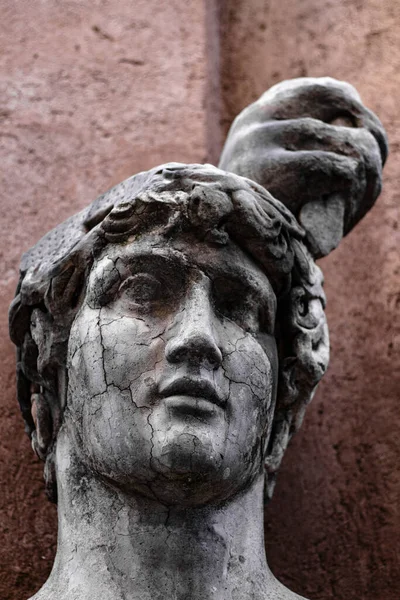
[315,147]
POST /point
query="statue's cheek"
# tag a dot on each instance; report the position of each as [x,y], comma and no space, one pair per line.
[131,349]
[117,436]
[85,362]
[253,367]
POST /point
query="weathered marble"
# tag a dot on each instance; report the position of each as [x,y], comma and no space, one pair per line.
[170,337]
[314,145]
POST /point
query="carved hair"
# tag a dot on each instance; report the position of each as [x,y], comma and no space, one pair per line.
[216,206]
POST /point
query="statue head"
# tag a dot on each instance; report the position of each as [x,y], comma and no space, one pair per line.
[175,328]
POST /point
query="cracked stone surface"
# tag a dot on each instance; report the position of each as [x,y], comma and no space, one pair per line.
[318,127]
[170,337]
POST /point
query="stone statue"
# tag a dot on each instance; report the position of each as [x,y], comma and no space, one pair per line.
[169,338]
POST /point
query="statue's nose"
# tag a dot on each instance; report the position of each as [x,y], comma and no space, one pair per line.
[194,338]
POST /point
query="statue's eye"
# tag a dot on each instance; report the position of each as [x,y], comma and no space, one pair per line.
[235,302]
[141,289]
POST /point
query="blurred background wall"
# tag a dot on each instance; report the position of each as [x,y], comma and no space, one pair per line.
[92,92]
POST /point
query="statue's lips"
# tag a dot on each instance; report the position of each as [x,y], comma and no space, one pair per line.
[193,388]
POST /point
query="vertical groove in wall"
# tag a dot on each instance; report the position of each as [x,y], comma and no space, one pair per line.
[339,484]
[244,31]
[212,100]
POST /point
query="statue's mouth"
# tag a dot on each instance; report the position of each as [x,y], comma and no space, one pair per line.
[193,388]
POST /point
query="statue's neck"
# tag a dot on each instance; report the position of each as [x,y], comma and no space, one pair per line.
[113,546]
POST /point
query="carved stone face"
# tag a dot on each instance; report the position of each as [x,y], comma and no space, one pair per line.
[172,369]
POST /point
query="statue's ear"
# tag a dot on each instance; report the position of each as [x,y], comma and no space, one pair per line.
[42,435]
[278,441]
[45,417]
[41,380]
[303,348]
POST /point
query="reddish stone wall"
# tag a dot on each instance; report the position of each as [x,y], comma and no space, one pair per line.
[333,527]
[93,92]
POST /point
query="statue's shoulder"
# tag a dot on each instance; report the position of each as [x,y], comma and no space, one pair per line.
[57,593]
[277,591]
[49,592]
[46,594]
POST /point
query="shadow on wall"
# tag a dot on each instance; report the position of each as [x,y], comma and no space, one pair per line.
[339,484]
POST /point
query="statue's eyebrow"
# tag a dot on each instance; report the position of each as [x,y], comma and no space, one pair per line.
[171,267]
[163,257]
[170,260]
[255,282]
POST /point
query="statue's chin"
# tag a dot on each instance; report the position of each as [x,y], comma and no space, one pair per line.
[192,473]
[184,461]
[191,490]
[184,476]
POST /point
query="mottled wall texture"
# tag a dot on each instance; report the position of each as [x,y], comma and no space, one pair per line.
[92,92]
[333,528]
